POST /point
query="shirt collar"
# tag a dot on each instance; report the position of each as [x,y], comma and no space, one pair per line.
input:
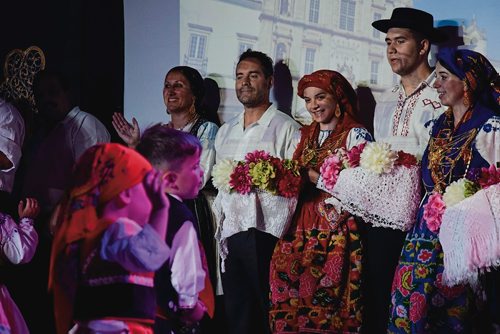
[264,120]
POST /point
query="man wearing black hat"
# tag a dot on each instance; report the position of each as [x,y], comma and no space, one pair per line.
[403,118]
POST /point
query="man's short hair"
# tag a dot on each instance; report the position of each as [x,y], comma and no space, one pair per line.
[265,61]
[167,148]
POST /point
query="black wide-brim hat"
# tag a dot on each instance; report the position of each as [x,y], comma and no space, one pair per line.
[414,19]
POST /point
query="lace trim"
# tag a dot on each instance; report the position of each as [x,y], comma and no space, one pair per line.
[261,210]
[387,200]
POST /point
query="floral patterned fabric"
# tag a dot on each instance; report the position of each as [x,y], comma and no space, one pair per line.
[316,267]
[420,301]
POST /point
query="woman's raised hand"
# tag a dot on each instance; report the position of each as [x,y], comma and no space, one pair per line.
[129,133]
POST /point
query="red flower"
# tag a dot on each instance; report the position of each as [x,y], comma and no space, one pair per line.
[353,155]
[288,184]
[240,180]
[489,176]
[406,159]
[418,306]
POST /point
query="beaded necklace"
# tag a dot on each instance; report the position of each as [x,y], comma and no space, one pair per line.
[447,149]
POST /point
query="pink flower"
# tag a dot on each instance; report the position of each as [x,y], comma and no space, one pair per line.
[353,155]
[418,306]
[433,211]
[240,180]
[280,325]
[257,155]
[403,280]
[330,171]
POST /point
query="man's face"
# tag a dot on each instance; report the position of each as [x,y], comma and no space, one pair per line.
[52,101]
[252,87]
[404,53]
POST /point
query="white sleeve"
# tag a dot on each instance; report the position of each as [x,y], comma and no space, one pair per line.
[206,134]
[188,276]
[18,242]
[488,140]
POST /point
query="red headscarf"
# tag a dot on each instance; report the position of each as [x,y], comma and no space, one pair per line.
[334,83]
[101,173]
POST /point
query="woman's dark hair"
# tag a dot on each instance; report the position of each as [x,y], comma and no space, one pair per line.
[265,61]
[195,81]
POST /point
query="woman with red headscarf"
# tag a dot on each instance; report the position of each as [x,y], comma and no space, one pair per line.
[316,267]
[108,242]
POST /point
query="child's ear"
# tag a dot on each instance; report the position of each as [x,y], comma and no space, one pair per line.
[170,177]
[124,198]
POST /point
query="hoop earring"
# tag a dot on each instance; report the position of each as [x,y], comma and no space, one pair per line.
[337,113]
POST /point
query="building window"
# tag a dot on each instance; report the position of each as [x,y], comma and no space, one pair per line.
[374,73]
[309,61]
[280,52]
[284,7]
[244,46]
[197,46]
[314,11]
[376,17]
[347,13]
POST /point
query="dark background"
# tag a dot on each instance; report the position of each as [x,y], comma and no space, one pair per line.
[83,38]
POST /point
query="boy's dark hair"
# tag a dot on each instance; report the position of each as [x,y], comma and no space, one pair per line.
[167,148]
[265,61]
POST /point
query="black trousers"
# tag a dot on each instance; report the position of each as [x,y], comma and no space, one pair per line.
[381,251]
[246,281]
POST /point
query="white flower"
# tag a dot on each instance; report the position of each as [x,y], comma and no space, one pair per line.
[454,193]
[221,174]
[378,157]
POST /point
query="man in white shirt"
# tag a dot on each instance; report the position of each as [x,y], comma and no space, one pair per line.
[403,117]
[11,141]
[249,248]
[70,131]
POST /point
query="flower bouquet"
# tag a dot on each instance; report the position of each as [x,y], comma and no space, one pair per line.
[467,218]
[378,184]
[259,192]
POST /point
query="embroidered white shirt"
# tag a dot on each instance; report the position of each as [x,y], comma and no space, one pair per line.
[405,121]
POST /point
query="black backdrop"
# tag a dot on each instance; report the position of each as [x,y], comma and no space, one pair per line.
[81,37]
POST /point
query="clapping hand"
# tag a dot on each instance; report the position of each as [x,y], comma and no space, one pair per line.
[129,133]
[28,209]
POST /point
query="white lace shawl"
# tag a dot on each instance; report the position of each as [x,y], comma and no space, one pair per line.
[386,200]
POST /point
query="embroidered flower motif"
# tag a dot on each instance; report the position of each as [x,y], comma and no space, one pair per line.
[418,306]
[424,255]
[378,157]
[404,280]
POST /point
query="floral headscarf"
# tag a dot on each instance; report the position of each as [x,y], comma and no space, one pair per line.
[476,71]
[334,83]
[102,172]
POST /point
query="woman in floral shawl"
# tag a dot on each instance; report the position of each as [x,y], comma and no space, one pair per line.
[464,138]
[316,267]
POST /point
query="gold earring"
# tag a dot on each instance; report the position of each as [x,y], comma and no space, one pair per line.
[337,111]
[466,99]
